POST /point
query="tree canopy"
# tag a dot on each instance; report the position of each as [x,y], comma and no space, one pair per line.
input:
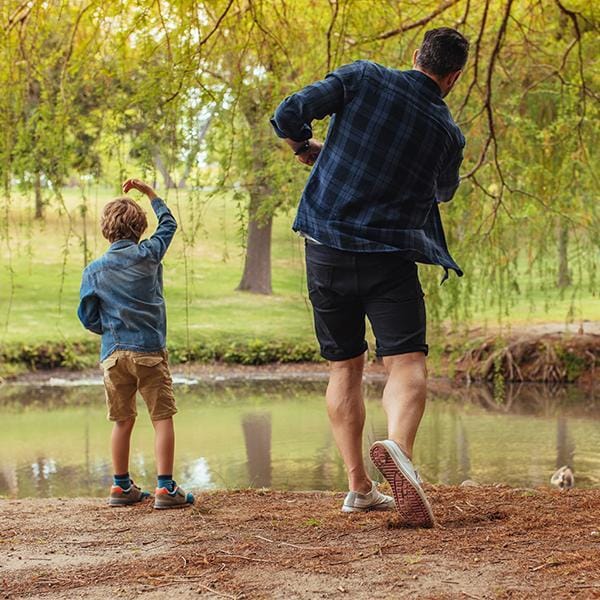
[185,89]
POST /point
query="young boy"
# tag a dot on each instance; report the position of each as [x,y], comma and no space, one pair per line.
[122,300]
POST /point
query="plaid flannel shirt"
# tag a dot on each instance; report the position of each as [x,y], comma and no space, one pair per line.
[392,152]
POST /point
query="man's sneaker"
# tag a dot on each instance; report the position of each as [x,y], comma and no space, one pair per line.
[404,480]
[178,498]
[124,497]
[373,500]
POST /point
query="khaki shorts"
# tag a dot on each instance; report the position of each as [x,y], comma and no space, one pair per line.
[126,372]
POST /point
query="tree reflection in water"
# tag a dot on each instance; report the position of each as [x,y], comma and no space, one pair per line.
[257,437]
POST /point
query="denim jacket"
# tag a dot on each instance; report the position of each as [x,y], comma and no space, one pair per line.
[121,295]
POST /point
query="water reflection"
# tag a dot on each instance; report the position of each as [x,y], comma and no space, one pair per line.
[275,434]
[257,436]
[565,446]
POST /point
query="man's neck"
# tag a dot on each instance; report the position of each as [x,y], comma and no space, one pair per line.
[431,76]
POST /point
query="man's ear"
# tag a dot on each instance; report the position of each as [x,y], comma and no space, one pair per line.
[415,54]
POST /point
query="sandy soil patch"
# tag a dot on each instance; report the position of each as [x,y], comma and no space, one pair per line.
[489,543]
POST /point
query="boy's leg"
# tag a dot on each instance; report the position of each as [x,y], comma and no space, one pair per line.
[120,386]
[168,494]
[156,388]
[164,445]
[120,443]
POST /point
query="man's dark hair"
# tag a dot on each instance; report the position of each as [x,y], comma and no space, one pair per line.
[444,50]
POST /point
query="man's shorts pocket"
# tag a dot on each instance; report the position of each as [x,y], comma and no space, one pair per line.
[319,277]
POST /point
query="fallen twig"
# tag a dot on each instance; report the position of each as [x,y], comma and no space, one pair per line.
[244,557]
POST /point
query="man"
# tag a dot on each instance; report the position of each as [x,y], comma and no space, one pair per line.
[369,212]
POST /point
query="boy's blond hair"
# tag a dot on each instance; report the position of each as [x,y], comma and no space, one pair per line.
[123,219]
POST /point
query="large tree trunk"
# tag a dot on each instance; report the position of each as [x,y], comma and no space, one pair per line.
[39,200]
[257,265]
[257,268]
[564,276]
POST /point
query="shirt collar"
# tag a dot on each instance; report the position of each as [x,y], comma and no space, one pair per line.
[121,244]
[426,81]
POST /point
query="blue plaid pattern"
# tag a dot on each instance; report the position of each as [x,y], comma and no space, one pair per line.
[392,152]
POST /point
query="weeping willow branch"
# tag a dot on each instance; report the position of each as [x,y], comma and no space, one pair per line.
[474,81]
[216,26]
[19,15]
[492,139]
[408,26]
[268,33]
[573,17]
[335,7]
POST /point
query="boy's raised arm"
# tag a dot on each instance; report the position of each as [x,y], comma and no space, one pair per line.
[167,225]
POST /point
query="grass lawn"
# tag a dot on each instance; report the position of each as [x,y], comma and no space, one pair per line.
[44,261]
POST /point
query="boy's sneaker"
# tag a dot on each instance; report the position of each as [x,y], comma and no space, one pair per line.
[373,500]
[405,482]
[124,497]
[178,498]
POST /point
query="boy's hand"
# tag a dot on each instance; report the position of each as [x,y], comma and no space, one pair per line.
[140,186]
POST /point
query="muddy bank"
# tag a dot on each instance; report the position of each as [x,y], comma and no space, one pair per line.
[489,543]
[540,354]
[544,358]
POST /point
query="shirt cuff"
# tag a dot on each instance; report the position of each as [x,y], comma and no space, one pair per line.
[305,133]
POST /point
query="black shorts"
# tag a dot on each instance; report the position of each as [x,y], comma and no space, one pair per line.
[344,287]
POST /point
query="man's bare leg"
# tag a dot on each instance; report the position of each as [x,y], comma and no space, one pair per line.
[404,404]
[404,397]
[346,409]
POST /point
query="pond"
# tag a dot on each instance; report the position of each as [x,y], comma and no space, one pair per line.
[275,434]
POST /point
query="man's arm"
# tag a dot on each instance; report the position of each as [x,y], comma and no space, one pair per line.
[449,179]
[89,306]
[293,117]
[161,239]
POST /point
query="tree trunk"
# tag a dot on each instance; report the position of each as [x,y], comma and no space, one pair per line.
[159,163]
[39,201]
[257,265]
[564,276]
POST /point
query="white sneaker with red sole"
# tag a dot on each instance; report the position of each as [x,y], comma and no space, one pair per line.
[397,468]
[372,500]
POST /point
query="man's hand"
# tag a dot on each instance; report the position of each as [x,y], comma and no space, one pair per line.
[140,186]
[309,156]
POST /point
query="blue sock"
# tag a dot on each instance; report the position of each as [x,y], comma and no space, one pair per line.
[122,481]
[166,481]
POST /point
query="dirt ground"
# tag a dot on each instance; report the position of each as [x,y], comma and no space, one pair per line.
[490,542]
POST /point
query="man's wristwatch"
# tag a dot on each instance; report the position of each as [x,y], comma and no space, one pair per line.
[302,149]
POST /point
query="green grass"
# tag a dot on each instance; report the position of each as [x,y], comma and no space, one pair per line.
[45,295]
[40,302]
